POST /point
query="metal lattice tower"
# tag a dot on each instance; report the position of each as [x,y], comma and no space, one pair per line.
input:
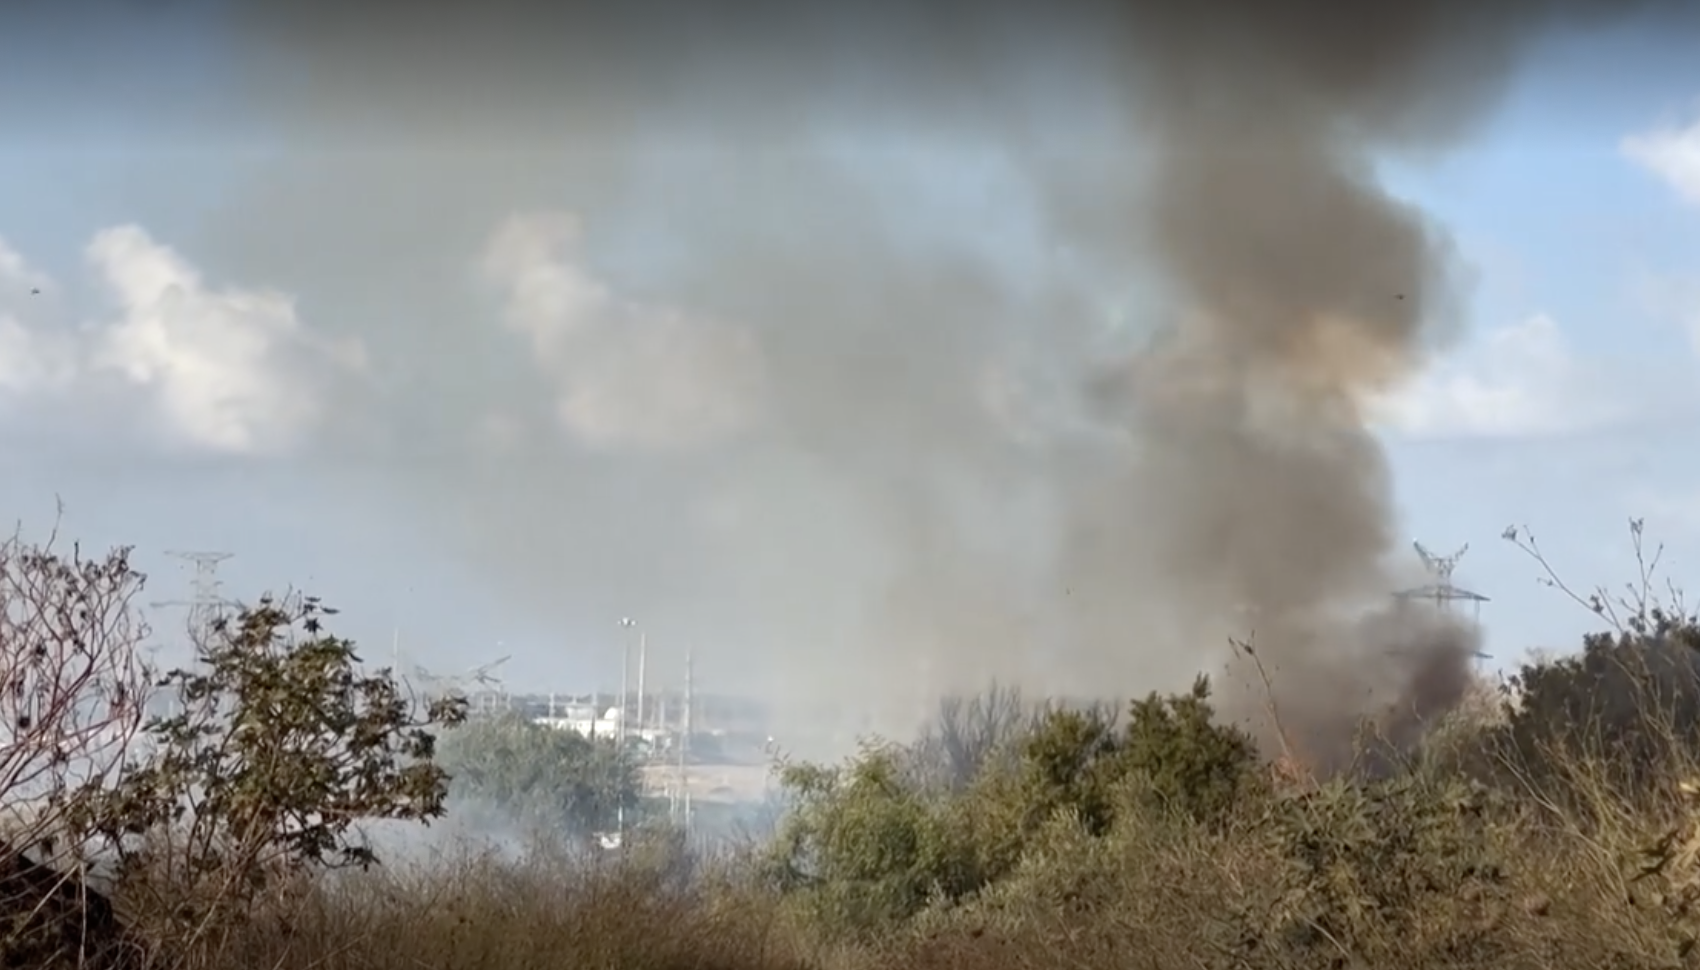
[204,602]
[481,679]
[1441,566]
[1443,592]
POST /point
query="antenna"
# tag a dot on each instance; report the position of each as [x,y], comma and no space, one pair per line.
[685,738]
[1443,592]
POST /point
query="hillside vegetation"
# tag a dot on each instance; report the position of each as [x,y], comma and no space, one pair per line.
[1550,823]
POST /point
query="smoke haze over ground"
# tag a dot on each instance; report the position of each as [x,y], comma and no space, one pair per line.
[644,338]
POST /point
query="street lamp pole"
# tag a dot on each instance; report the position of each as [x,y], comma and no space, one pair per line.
[627,624]
[643,658]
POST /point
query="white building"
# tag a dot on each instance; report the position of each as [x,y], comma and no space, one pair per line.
[584,720]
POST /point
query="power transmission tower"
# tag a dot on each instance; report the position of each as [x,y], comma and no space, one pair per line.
[155,673]
[463,684]
[1440,566]
[1443,592]
[204,602]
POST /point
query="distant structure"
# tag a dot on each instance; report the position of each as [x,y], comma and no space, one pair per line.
[1443,592]
[480,680]
[204,603]
[478,685]
[159,702]
[627,624]
[682,802]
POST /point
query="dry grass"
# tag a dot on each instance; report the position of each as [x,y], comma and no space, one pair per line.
[1435,868]
[1390,876]
[1428,870]
[1559,831]
[1612,890]
[478,911]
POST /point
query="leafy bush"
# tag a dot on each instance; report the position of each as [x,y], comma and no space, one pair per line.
[72,695]
[1170,759]
[280,746]
[1183,760]
[1010,835]
[870,844]
[1627,708]
[552,779]
[862,849]
[1624,712]
[74,686]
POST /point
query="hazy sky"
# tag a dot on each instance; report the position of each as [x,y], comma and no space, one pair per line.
[190,348]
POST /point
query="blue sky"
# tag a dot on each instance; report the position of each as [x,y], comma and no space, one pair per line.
[1583,319]
[1557,220]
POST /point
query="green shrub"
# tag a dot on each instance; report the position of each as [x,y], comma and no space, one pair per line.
[870,844]
[280,747]
[1626,711]
[1621,719]
[543,777]
[1183,760]
[862,850]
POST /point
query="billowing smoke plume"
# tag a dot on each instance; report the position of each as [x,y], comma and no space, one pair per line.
[1301,292]
[653,340]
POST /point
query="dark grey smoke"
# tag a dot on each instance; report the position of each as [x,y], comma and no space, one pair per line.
[855,465]
[1301,291]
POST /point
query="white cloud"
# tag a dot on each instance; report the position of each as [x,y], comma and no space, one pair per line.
[231,370]
[17,276]
[1672,152]
[23,367]
[499,432]
[1671,297]
[32,358]
[1522,380]
[626,373]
